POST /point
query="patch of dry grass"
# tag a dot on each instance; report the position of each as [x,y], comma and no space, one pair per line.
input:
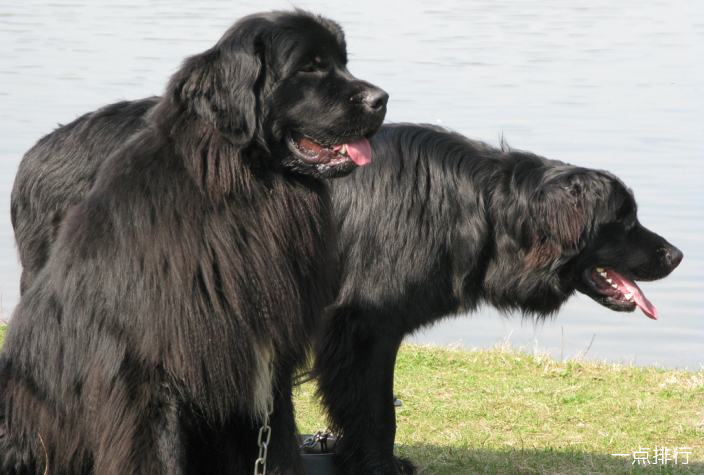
[501,411]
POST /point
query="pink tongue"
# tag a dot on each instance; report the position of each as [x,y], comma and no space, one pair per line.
[360,151]
[626,286]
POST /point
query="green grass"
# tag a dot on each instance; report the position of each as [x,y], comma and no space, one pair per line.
[504,412]
[500,411]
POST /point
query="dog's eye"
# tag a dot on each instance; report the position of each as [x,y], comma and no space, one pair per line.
[314,65]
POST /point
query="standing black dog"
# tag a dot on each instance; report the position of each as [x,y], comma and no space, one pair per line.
[180,294]
[437,226]
[441,224]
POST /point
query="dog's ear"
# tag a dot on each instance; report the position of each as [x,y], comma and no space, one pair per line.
[213,106]
[558,218]
[222,84]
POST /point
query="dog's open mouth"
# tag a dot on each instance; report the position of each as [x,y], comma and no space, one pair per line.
[359,151]
[619,292]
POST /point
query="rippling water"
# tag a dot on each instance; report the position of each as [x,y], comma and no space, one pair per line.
[614,85]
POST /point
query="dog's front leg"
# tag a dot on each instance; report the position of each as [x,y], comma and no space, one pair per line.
[355,360]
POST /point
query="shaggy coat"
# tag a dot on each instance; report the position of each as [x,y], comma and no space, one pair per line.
[438,225]
[180,294]
[441,224]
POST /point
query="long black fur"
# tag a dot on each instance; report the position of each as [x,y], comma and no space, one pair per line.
[439,224]
[197,260]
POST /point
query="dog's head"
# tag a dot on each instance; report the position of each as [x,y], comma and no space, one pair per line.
[619,251]
[577,229]
[277,84]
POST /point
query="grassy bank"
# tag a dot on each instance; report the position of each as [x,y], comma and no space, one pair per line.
[502,412]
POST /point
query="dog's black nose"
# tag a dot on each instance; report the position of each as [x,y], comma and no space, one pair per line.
[671,256]
[375,99]
[372,98]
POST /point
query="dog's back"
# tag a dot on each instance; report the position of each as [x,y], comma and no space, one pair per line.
[58,172]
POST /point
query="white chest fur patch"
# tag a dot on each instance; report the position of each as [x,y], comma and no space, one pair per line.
[263,384]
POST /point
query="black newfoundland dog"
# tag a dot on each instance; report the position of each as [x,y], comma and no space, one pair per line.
[438,225]
[180,294]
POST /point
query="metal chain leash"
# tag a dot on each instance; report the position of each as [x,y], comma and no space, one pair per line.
[265,430]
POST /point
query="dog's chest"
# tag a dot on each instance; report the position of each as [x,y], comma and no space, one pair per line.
[274,256]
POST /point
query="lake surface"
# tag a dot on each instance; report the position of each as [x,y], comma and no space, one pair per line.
[603,84]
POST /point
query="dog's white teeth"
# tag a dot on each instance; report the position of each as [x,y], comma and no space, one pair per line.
[629,296]
[603,274]
[614,286]
[609,281]
[600,270]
